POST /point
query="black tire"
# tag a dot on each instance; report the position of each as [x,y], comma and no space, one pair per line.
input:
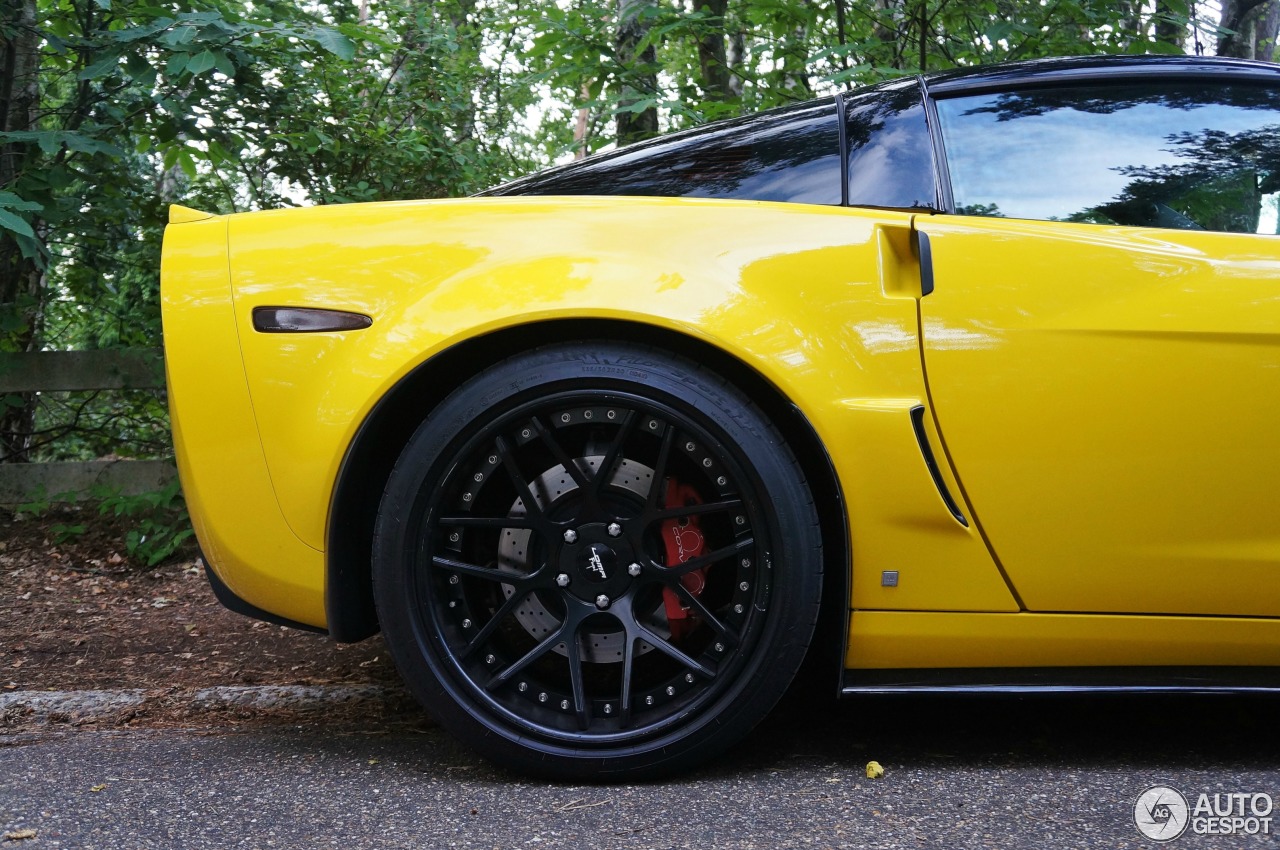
[642,664]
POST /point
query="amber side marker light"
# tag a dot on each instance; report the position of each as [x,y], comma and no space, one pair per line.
[305,320]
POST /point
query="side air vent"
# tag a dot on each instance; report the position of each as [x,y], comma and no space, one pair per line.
[917,423]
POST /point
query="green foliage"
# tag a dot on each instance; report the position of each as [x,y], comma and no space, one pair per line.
[232,105]
[158,522]
[155,525]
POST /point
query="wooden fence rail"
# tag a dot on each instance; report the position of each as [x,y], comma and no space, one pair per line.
[67,371]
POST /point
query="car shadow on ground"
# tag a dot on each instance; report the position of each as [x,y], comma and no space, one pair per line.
[1160,731]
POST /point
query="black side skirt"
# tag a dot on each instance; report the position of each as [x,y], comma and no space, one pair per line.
[1065,680]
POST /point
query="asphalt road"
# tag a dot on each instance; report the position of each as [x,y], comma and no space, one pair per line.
[960,773]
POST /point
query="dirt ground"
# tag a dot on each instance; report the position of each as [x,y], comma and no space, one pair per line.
[76,613]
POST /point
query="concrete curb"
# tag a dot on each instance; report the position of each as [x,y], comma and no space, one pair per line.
[100,704]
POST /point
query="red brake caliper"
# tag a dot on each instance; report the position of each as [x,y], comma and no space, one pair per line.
[684,541]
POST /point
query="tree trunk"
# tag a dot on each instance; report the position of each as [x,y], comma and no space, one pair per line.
[21,278]
[1167,31]
[712,58]
[1253,26]
[639,79]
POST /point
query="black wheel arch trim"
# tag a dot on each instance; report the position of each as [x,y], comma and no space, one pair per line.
[367,463]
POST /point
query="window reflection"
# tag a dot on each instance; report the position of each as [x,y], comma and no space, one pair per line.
[1186,156]
[890,158]
[787,155]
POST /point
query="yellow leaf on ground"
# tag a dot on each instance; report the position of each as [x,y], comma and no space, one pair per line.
[101,787]
[874,770]
[20,835]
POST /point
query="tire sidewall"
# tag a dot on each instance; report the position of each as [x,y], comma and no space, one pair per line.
[722,410]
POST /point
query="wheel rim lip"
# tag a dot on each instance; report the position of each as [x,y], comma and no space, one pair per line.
[430,618]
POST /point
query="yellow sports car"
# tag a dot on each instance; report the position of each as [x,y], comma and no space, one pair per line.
[981,367]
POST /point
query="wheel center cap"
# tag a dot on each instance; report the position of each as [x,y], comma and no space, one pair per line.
[598,563]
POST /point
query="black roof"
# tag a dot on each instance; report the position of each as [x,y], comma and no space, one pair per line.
[1052,71]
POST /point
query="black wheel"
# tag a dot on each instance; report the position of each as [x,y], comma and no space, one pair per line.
[597,560]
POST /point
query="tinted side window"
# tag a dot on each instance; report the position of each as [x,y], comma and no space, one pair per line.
[890,156]
[789,155]
[1181,154]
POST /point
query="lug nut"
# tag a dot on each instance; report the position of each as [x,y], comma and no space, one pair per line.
[614,529]
[602,602]
[635,570]
[570,536]
[563,579]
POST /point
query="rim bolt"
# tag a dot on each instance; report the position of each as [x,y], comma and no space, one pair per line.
[453,579]
[722,481]
[671,691]
[688,677]
[634,570]
[602,602]
[489,659]
[454,538]
[744,586]
[740,520]
[688,447]
[614,529]
[570,536]
[522,687]
[608,708]
[564,704]
[542,697]
[746,562]
[737,609]
[466,624]
[648,700]
[563,579]
[719,647]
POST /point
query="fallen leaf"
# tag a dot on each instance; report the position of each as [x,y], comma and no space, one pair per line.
[19,835]
[874,770]
[97,788]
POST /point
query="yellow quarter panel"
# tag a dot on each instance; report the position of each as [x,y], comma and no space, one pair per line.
[810,297]
[220,461]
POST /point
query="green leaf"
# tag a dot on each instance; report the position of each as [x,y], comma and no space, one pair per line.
[103,4]
[11,222]
[201,62]
[101,68]
[8,200]
[335,42]
[222,62]
[177,64]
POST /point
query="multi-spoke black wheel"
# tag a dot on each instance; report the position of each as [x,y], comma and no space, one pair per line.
[594,560]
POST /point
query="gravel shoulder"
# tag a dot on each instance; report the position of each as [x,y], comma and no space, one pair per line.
[76,614]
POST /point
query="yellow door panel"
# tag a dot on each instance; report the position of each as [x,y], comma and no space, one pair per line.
[1107,397]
